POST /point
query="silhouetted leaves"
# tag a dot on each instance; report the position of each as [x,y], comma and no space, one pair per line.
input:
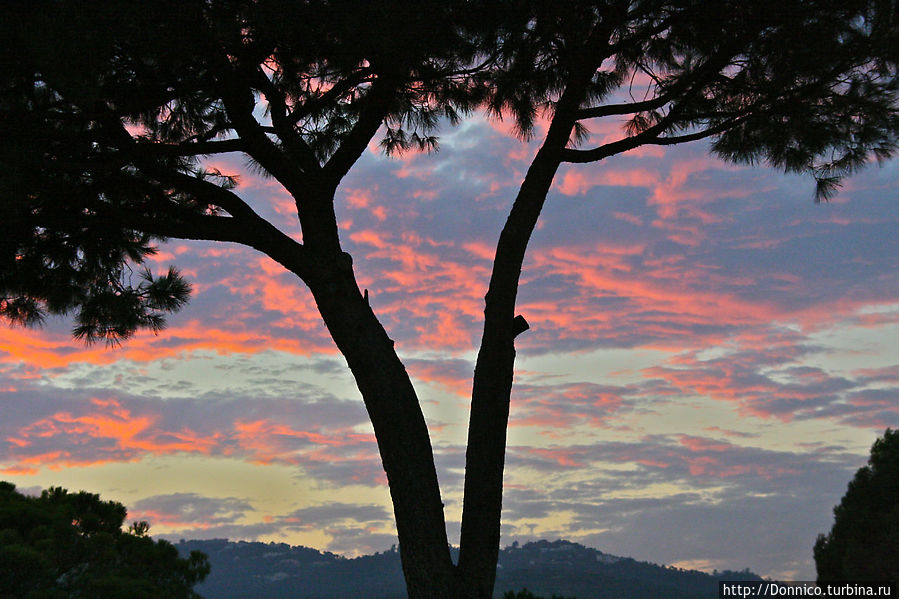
[804,86]
[862,543]
[65,544]
[105,108]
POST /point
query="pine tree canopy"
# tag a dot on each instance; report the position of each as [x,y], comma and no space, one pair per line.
[109,110]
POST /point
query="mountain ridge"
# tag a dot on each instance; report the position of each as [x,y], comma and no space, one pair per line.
[242,569]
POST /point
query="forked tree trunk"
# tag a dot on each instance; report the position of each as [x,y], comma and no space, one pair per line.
[395,412]
[400,428]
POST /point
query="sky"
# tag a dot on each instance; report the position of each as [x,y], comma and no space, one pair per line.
[711,356]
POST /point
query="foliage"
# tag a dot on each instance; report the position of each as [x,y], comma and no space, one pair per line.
[83,197]
[84,201]
[737,72]
[862,543]
[65,544]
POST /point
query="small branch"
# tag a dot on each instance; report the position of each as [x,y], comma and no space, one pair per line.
[372,115]
[617,109]
[327,98]
[615,147]
[196,148]
[212,133]
[519,325]
[282,127]
[714,130]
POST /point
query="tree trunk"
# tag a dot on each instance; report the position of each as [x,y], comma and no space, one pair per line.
[492,388]
[400,428]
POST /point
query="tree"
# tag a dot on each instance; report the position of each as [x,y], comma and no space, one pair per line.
[862,543]
[65,544]
[108,111]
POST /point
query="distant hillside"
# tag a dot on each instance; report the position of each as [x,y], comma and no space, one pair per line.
[242,570]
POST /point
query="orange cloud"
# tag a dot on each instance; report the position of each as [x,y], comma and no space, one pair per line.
[677,297]
[265,442]
[369,237]
[480,250]
[363,199]
[697,444]
[105,432]
[452,380]
[577,180]
[556,408]
[19,471]
[565,457]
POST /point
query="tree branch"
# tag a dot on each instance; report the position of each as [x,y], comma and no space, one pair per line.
[181,224]
[680,94]
[239,104]
[210,193]
[713,130]
[244,226]
[615,147]
[329,97]
[376,107]
[194,148]
[282,127]
[626,108]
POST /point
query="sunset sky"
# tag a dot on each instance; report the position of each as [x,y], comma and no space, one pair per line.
[711,356]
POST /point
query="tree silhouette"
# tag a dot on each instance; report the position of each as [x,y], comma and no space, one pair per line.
[109,110]
[862,543]
[737,72]
[65,544]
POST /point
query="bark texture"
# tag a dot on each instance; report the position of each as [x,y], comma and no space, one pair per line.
[400,428]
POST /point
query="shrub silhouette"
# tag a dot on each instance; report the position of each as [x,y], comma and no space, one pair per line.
[65,544]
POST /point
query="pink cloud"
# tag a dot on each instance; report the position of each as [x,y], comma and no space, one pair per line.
[116,433]
[106,430]
[700,444]
[564,457]
[577,180]
[364,200]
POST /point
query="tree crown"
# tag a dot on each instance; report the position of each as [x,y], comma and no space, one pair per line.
[109,114]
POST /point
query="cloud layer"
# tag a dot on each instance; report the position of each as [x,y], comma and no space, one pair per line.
[710,356]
